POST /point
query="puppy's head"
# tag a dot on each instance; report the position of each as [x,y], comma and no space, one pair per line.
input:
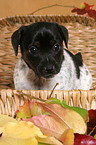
[41,46]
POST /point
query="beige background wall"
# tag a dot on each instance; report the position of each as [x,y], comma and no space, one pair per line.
[23,7]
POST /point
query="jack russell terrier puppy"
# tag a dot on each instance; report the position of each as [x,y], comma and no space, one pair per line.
[44,62]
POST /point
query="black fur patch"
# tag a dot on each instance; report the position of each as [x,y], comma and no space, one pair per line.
[77,59]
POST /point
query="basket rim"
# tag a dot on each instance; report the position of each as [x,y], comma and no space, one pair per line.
[90,90]
[51,15]
[11,100]
[72,15]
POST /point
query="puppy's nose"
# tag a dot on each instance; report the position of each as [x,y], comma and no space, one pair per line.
[49,69]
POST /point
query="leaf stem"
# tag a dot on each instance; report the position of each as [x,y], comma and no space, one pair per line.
[92,131]
[50,7]
[32,97]
[53,90]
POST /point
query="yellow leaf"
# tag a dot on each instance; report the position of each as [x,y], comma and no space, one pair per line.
[19,133]
[1,130]
[21,129]
[5,119]
[48,140]
[23,133]
[18,141]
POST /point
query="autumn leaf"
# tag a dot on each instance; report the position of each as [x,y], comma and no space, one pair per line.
[85,9]
[19,133]
[48,140]
[60,120]
[14,141]
[48,125]
[23,133]
[67,137]
[24,111]
[92,114]
[65,116]
[83,112]
[5,119]
[29,109]
[91,125]
[81,139]
[42,143]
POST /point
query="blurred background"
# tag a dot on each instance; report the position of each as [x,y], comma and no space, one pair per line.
[39,7]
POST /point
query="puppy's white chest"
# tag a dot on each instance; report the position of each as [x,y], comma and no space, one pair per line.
[25,78]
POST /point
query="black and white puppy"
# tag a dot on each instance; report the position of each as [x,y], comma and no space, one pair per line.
[44,61]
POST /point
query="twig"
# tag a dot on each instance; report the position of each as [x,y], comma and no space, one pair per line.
[92,131]
[53,90]
[50,7]
[32,97]
[29,96]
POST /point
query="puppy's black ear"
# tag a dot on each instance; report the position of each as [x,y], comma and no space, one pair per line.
[15,39]
[63,32]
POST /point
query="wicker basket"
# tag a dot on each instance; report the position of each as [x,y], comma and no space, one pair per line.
[82,37]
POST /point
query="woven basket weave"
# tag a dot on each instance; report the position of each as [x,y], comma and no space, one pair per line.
[82,38]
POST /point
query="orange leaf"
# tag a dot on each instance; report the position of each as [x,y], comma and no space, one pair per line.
[29,109]
[24,111]
[68,137]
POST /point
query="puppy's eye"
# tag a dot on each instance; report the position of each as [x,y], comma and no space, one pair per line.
[33,50]
[56,47]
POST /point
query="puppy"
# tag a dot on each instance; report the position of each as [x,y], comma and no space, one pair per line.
[44,62]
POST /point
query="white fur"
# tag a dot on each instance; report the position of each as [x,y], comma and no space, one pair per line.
[25,78]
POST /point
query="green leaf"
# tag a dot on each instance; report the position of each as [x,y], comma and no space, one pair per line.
[43,143]
[95,136]
[83,112]
[82,6]
[53,101]
[64,102]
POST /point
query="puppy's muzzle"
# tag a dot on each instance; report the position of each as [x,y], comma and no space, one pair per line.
[49,70]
